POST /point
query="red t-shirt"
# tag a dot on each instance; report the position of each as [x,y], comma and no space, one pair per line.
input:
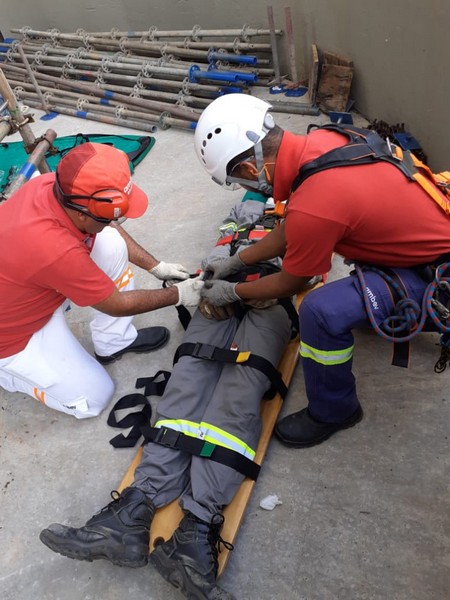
[44,260]
[367,213]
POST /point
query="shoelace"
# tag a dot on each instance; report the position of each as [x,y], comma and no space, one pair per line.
[115,495]
[216,541]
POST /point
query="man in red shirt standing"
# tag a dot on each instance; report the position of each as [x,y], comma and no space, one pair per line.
[371,214]
[61,242]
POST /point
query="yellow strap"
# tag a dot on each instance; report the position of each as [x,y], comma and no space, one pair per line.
[431,190]
[243,357]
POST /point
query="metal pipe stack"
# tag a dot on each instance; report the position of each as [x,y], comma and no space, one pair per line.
[136,79]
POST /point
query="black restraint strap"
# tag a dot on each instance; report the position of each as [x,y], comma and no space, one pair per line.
[245,359]
[400,354]
[154,386]
[186,443]
[135,420]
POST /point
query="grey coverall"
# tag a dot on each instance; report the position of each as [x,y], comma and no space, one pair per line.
[214,401]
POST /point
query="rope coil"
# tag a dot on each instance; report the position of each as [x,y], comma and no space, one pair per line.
[408,315]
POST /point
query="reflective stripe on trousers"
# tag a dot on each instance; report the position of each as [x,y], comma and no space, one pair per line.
[209,433]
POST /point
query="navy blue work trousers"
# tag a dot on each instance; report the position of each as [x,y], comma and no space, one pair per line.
[327,317]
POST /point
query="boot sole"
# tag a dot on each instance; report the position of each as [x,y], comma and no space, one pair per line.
[320,440]
[78,551]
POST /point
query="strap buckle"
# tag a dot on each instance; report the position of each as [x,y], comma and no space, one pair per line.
[204,351]
[167,437]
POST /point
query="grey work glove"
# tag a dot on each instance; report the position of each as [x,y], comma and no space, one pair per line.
[165,271]
[189,291]
[219,292]
[223,267]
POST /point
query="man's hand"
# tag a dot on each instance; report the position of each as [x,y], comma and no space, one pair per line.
[218,313]
[189,291]
[223,267]
[165,270]
[219,292]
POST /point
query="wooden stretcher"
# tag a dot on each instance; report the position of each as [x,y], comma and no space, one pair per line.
[167,518]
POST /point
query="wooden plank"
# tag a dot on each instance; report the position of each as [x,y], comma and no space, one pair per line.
[334,87]
[333,58]
[167,518]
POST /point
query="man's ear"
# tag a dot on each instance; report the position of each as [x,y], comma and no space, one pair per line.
[250,167]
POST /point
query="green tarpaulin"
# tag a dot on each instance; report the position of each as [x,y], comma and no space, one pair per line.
[13,155]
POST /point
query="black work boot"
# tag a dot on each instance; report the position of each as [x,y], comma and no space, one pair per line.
[189,559]
[119,532]
[301,429]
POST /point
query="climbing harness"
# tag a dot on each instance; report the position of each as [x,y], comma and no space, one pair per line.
[367,147]
[409,318]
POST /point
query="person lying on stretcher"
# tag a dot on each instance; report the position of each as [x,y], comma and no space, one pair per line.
[204,438]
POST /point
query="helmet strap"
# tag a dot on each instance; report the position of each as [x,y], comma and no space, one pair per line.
[262,184]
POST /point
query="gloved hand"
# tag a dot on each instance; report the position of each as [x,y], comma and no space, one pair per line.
[189,291]
[223,267]
[165,270]
[219,313]
[219,292]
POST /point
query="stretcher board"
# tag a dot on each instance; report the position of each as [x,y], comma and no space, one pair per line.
[168,517]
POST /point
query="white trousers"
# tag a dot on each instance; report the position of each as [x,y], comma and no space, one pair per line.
[54,368]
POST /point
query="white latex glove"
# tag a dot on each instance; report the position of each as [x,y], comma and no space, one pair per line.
[189,291]
[165,270]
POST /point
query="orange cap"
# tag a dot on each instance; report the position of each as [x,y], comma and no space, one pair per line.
[92,167]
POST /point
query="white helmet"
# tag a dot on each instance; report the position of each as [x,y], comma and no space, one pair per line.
[227,127]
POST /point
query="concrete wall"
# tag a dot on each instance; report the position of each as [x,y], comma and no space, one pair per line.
[400,48]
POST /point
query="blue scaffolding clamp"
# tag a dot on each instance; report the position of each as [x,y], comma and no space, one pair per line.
[213,56]
[195,74]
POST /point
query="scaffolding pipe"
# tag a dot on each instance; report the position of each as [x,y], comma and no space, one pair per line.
[291,45]
[246,60]
[196,74]
[153,32]
[19,119]
[273,43]
[167,121]
[86,104]
[92,116]
[36,158]
[188,113]
[148,47]
[295,109]
[77,73]
[40,52]
[32,77]
[5,129]
[177,98]
[210,74]
[59,60]
[117,60]
[208,55]
[152,82]
[236,46]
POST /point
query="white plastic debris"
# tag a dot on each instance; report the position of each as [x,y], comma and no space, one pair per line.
[269,502]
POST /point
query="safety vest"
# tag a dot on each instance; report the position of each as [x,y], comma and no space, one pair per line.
[367,147]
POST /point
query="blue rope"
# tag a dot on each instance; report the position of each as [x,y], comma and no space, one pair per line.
[408,315]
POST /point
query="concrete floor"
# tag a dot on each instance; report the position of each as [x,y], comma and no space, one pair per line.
[364,516]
